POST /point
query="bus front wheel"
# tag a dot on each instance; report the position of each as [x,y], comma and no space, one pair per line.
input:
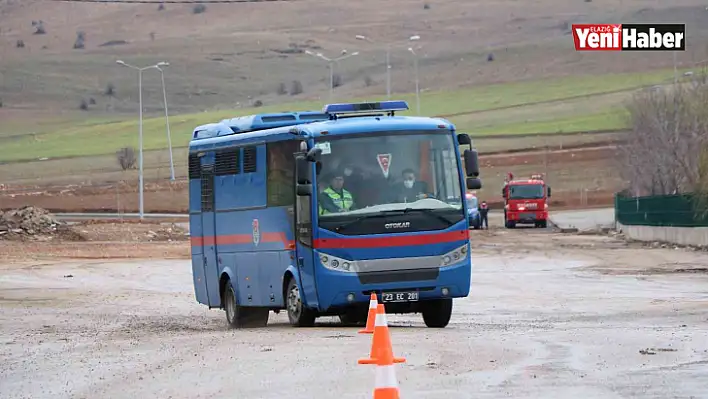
[437,313]
[298,314]
[239,316]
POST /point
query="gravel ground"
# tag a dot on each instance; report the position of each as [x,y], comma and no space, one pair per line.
[549,316]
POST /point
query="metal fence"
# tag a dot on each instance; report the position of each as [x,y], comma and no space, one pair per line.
[660,210]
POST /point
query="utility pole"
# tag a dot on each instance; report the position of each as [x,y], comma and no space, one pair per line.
[388,58]
[140,131]
[330,62]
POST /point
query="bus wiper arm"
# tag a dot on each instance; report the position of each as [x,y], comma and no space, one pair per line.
[427,211]
[357,220]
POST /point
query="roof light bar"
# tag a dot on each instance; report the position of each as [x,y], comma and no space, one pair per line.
[365,107]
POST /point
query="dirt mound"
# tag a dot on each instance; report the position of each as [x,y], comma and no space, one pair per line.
[31,223]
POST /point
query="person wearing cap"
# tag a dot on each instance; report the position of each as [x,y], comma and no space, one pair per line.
[335,198]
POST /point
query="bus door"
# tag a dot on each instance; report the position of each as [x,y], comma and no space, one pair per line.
[304,255]
[211,268]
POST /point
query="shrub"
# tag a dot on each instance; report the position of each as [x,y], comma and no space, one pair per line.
[126,158]
[39,28]
[336,80]
[80,39]
[282,89]
[296,88]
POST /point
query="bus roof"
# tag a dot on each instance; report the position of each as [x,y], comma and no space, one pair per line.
[279,126]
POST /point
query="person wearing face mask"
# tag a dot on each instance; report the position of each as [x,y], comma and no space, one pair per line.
[354,180]
[410,190]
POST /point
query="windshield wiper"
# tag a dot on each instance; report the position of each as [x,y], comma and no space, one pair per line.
[359,219]
[427,211]
[383,214]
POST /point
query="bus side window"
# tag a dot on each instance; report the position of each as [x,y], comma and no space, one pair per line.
[280,173]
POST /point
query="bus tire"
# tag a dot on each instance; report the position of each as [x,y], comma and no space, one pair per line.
[437,312]
[543,224]
[241,317]
[298,314]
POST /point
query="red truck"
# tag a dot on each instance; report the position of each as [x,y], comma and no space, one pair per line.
[525,201]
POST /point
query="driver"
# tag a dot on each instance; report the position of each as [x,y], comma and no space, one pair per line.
[335,198]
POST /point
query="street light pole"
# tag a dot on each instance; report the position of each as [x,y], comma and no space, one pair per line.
[388,58]
[167,123]
[417,82]
[330,62]
[140,131]
[388,71]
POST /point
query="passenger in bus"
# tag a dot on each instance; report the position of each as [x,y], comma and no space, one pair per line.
[335,198]
[409,189]
[354,181]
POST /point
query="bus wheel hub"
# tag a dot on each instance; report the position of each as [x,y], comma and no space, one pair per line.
[294,301]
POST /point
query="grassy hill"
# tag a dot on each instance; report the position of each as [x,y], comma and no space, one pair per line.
[231,55]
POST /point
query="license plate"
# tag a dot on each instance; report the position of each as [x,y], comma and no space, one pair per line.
[399,296]
[527,216]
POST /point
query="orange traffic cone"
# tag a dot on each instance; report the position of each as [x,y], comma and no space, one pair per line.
[371,319]
[386,386]
[381,343]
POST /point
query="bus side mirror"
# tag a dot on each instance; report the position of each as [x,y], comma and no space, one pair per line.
[474,183]
[303,190]
[549,191]
[314,154]
[302,168]
[464,139]
[471,163]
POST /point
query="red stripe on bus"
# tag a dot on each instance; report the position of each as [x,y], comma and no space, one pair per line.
[393,241]
[232,239]
[369,242]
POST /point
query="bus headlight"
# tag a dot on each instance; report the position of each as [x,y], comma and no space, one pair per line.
[454,256]
[338,264]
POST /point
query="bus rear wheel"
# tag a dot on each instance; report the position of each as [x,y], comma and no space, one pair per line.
[298,314]
[241,317]
[437,313]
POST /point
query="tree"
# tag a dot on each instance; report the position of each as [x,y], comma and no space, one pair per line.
[665,151]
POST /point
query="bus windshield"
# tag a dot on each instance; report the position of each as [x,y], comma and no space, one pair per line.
[372,174]
[526,191]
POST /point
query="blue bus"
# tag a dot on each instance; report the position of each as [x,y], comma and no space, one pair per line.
[311,212]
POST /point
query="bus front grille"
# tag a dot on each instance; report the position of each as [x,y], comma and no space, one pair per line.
[394,276]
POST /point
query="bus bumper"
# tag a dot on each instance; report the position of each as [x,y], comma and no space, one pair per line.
[340,289]
[527,217]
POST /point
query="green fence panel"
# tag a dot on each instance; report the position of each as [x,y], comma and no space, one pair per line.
[660,210]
